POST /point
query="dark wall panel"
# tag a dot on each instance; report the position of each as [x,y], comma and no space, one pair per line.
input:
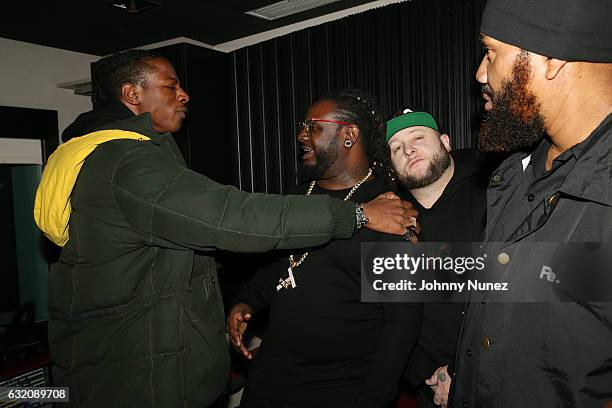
[27,123]
[9,278]
[204,139]
[417,53]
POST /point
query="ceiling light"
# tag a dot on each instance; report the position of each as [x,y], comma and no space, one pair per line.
[286,8]
[134,6]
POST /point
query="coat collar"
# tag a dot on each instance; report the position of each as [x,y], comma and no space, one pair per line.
[140,124]
[591,178]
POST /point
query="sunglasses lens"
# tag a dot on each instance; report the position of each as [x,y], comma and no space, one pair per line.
[303,125]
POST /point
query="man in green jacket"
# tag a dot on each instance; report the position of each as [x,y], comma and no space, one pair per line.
[136,318]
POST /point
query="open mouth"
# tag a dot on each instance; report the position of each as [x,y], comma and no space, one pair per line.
[307,152]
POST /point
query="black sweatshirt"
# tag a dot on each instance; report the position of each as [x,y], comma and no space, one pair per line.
[459,215]
[322,346]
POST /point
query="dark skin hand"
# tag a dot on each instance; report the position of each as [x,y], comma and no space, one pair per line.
[388,214]
[237,321]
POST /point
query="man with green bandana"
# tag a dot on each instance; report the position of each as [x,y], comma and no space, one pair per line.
[448,188]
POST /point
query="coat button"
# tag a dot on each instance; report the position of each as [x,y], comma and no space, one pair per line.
[469,353]
[464,404]
[486,343]
[530,197]
[496,179]
[553,199]
[503,258]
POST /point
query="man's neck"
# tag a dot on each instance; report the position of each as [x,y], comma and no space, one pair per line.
[428,195]
[347,178]
[579,114]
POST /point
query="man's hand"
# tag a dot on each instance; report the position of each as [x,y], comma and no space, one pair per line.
[387,213]
[237,321]
[440,383]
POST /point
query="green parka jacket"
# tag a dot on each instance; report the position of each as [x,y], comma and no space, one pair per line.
[136,312]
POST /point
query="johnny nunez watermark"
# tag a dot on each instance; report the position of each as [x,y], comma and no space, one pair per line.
[435,286]
[505,272]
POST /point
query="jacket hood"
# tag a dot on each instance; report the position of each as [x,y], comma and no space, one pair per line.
[96,119]
[52,204]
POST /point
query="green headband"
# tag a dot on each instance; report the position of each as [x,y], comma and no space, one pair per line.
[410,119]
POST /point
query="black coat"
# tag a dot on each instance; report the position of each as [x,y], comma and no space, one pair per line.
[555,354]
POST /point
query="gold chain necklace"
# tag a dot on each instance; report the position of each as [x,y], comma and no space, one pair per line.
[290,281]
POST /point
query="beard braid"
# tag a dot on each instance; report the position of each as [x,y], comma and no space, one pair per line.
[515,122]
[438,165]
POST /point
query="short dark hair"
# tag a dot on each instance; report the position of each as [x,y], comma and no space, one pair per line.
[110,73]
[358,107]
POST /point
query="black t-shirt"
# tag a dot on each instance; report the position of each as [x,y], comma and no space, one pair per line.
[323,346]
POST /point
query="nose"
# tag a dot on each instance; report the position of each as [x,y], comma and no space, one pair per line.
[481,74]
[302,134]
[182,96]
[409,150]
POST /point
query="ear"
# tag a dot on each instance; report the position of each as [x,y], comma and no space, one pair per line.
[351,133]
[553,67]
[445,141]
[129,94]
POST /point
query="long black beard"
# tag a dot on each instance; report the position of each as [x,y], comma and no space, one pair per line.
[438,165]
[515,122]
[325,158]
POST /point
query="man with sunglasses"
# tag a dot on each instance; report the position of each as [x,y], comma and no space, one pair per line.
[323,347]
[448,189]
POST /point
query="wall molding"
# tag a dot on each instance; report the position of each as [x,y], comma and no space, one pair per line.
[239,43]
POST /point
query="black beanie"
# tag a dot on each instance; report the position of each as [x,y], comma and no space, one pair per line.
[570,30]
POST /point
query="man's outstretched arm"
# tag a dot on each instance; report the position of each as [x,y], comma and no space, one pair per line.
[170,205]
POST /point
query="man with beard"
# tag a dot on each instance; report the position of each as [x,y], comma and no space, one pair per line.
[136,318]
[322,346]
[547,77]
[448,190]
